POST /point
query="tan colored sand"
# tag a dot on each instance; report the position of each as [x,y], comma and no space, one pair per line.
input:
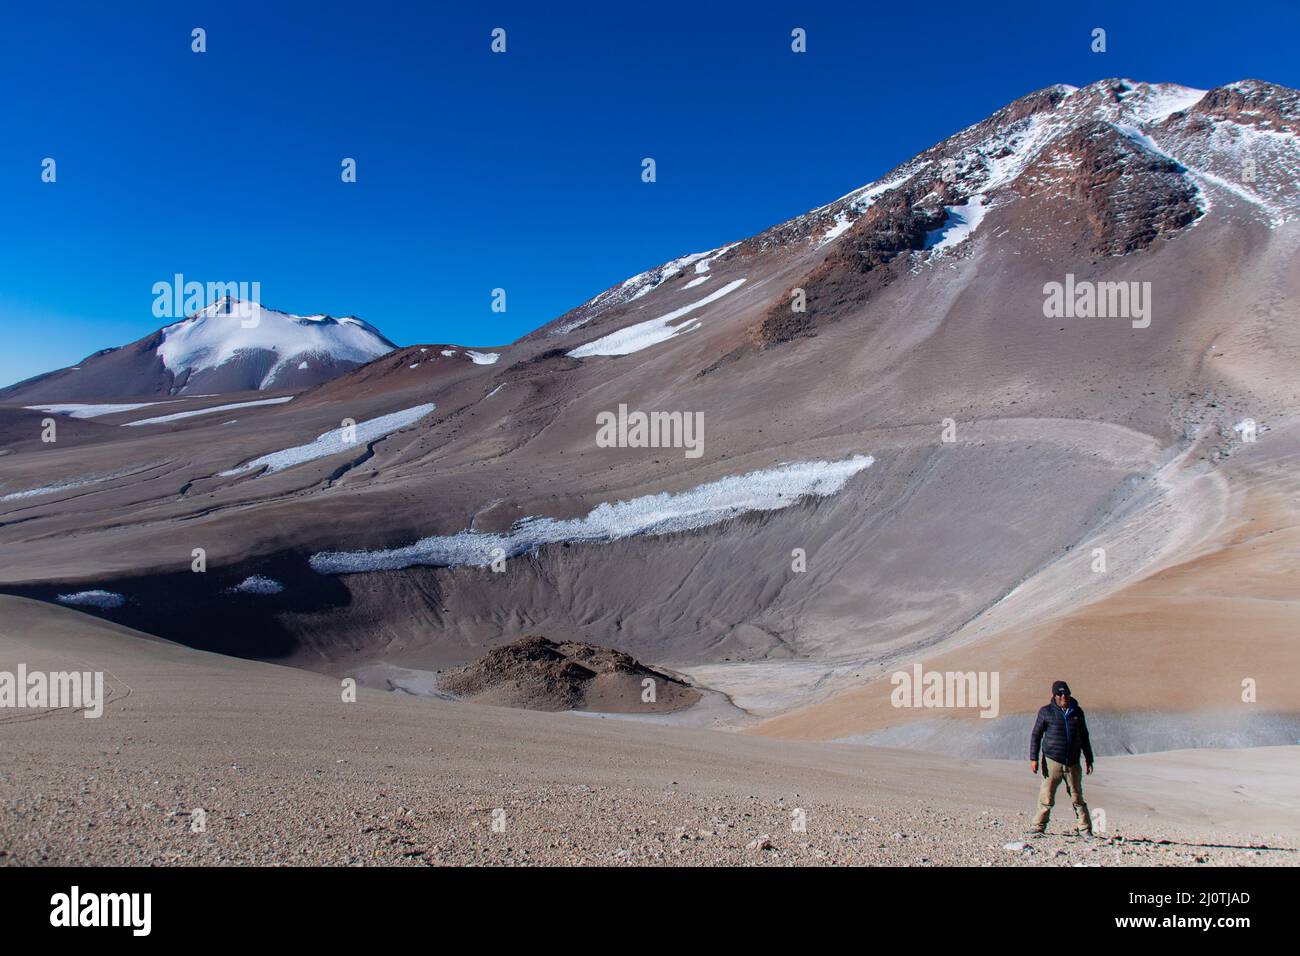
[1182,639]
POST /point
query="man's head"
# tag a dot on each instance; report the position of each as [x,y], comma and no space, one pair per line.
[1060,692]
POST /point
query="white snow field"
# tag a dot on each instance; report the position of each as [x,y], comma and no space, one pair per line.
[840,226]
[89,411]
[770,489]
[962,221]
[95,598]
[634,338]
[334,441]
[217,334]
[1153,102]
[208,411]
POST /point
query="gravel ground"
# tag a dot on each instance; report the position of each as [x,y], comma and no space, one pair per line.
[287,773]
[333,818]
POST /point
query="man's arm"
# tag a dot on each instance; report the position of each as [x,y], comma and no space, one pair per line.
[1083,737]
[1036,739]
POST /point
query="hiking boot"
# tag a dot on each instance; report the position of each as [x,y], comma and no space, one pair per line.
[1035,834]
[1083,834]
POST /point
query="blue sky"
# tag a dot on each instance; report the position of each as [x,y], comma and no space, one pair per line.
[478,171]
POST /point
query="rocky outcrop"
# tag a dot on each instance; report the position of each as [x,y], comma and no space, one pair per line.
[536,673]
[1253,103]
[861,262]
[1131,195]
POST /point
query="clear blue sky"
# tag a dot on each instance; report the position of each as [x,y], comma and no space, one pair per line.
[477,170]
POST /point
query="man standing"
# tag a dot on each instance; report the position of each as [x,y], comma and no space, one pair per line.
[1062,732]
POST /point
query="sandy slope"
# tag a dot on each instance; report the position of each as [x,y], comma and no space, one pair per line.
[287,772]
[1159,659]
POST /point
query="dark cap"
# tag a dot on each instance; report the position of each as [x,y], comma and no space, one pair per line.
[1060,687]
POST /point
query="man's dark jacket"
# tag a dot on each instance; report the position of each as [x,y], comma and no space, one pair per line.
[1063,734]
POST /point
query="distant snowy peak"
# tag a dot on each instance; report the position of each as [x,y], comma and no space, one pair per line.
[264,348]
[229,346]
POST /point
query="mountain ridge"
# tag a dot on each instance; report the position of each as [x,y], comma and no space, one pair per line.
[1104,125]
[926,317]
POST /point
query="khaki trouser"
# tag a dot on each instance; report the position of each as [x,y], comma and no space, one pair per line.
[1073,778]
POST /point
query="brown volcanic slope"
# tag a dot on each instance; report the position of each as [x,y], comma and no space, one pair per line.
[1070,434]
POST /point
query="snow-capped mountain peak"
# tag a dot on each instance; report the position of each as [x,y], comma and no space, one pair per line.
[1111,167]
[228,346]
[265,348]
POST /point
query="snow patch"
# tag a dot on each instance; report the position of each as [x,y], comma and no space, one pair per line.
[768,490]
[95,598]
[858,202]
[644,283]
[634,338]
[483,358]
[837,229]
[332,442]
[89,411]
[61,486]
[257,584]
[961,222]
[1153,102]
[208,411]
[865,196]
[703,265]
